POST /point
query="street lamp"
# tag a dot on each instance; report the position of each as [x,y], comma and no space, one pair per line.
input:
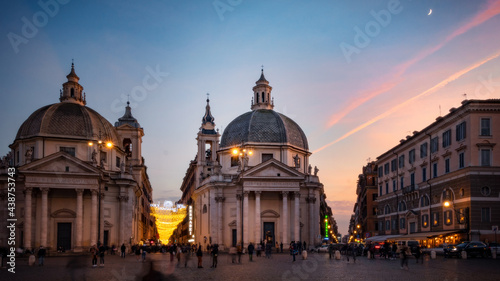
[101,142]
[459,215]
[243,155]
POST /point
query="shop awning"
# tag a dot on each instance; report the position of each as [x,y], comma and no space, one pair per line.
[380,238]
[425,235]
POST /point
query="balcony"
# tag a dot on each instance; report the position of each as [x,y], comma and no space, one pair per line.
[408,189]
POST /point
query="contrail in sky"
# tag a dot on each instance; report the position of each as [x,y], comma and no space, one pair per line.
[491,9]
[431,90]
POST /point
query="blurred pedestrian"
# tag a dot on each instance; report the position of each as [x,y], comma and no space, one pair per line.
[143,254]
[250,251]
[404,253]
[199,254]
[239,251]
[102,249]
[41,255]
[122,249]
[215,253]
[93,252]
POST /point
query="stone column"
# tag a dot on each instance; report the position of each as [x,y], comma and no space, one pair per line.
[297,216]
[312,224]
[100,216]
[79,220]
[93,219]
[44,217]
[238,218]
[245,218]
[27,217]
[258,234]
[285,217]
[121,234]
[220,227]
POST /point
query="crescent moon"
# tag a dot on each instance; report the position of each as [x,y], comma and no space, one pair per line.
[430,12]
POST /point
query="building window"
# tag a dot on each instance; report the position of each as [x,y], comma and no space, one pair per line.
[393,165]
[460,133]
[402,179]
[485,157]
[412,179]
[485,127]
[386,168]
[69,150]
[434,144]
[461,215]
[266,156]
[485,191]
[435,219]
[461,192]
[447,165]
[461,160]
[374,196]
[448,217]
[402,206]
[380,190]
[387,225]
[205,209]
[411,156]
[423,150]
[485,214]
[424,173]
[380,172]
[234,161]
[386,188]
[374,211]
[376,226]
[402,223]
[425,220]
[394,225]
[381,225]
[394,188]
[118,160]
[424,201]
[447,138]
[401,161]
[387,210]
[434,170]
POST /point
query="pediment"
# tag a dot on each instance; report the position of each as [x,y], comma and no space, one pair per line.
[59,162]
[271,169]
[63,213]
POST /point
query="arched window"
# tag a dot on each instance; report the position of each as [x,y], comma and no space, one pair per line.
[263,99]
[72,92]
[402,206]
[127,144]
[257,98]
[424,201]
[387,209]
[204,208]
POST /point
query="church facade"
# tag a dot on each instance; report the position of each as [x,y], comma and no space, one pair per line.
[79,179]
[255,182]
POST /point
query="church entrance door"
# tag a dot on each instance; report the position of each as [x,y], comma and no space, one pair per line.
[269,232]
[234,238]
[64,235]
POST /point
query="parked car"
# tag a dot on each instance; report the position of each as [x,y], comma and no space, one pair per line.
[494,247]
[473,249]
[322,248]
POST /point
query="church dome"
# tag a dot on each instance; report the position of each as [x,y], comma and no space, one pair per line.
[263,126]
[67,120]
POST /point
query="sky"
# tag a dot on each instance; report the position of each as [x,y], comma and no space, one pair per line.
[357,76]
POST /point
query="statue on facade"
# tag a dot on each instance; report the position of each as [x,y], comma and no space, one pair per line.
[29,154]
[94,157]
[296,161]
[122,167]
[316,170]
[309,169]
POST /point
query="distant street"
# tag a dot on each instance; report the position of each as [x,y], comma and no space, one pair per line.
[279,267]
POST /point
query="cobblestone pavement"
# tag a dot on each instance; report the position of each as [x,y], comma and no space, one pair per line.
[279,267]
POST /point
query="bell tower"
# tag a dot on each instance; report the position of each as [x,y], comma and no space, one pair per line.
[208,145]
[131,133]
[262,94]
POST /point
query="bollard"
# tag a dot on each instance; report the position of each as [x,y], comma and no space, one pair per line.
[304,255]
[433,254]
[31,260]
[493,254]
[337,255]
[369,255]
[464,255]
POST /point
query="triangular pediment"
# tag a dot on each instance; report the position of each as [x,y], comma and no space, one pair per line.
[272,169]
[58,163]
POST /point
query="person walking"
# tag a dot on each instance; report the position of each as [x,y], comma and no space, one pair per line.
[93,252]
[102,249]
[293,250]
[215,253]
[187,253]
[41,255]
[277,247]
[143,254]
[330,250]
[199,254]
[239,251]
[250,250]
[122,249]
[281,247]
[418,253]
[405,252]
[138,252]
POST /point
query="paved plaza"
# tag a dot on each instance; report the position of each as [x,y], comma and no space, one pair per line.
[279,267]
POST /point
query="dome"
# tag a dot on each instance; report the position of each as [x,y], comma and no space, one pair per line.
[263,126]
[67,120]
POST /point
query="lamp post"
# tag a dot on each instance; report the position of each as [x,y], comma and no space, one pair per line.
[463,214]
[243,155]
[101,142]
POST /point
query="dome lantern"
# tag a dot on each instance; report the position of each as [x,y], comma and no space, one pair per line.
[72,91]
[262,94]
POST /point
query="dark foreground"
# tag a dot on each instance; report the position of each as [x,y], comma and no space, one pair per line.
[279,267]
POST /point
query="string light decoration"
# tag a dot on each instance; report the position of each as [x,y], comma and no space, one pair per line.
[167,219]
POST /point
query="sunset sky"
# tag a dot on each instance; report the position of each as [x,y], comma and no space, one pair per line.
[357,76]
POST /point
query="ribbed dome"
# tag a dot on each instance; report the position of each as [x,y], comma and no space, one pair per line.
[263,126]
[68,120]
